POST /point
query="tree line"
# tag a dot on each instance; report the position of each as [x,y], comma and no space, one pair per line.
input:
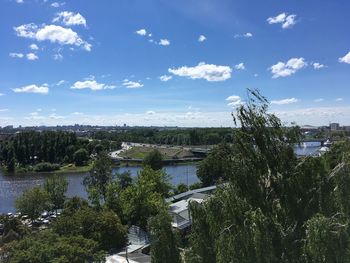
[30,148]
[178,136]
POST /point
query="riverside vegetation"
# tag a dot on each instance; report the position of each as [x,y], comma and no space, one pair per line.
[269,205]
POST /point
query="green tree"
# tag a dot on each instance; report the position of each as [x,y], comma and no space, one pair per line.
[100,175]
[164,243]
[102,226]
[33,202]
[45,246]
[145,197]
[56,187]
[124,179]
[216,166]
[327,239]
[80,157]
[154,159]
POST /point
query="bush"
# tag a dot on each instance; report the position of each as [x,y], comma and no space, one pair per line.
[46,167]
[80,157]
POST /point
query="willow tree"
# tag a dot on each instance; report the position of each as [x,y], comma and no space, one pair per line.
[267,211]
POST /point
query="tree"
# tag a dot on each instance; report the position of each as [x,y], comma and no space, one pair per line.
[164,243]
[327,239]
[154,159]
[33,202]
[100,175]
[145,197]
[56,187]
[80,157]
[45,246]
[103,226]
[216,166]
[124,179]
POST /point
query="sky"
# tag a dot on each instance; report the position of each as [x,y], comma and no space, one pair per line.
[172,63]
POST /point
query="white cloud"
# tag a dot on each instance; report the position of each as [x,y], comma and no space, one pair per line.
[19,1]
[234,101]
[339,99]
[3,110]
[57,4]
[61,82]
[319,100]
[201,38]
[165,78]
[285,69]
[209,72]
[164,42]
[70,18]
[150,112]
[286,20]
[57,56]
[345,59]
[91,84]
[141,32]
[52,33]
[290,21]
[277,19]
[32,56]
[248,34]
[318,65]
[2,94]
[240,66]
[132,84]
[284,101]
[33,47]
[16,55]
[245,35]
[43,89]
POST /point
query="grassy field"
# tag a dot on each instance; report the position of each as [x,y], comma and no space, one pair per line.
[139,152]
[71,168]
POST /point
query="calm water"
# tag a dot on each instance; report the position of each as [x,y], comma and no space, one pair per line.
[13,186]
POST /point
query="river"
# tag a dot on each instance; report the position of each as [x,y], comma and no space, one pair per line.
[11,187]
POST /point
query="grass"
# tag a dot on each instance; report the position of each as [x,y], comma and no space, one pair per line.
[71,168]
[139,152]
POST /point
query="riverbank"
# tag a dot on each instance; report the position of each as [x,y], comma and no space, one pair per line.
[69,168]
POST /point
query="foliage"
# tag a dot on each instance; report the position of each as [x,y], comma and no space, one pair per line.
[327,239]
[154,159]
[46,167]
[145,197]
[30,147]
[103,226]
[274,207]
[124,179]
[164,243]
[181,188]
[33,202]
[56,187]
[100,175]
[80,157]
[216,166]
[45,246]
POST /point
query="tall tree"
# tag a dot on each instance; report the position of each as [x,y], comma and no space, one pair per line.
[100,175]
[56,187]
[33,202]
[164,243]
[154,159]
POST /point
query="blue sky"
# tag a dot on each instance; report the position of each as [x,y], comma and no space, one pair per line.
[181,62]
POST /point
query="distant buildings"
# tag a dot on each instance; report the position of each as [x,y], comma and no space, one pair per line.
[334,126]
